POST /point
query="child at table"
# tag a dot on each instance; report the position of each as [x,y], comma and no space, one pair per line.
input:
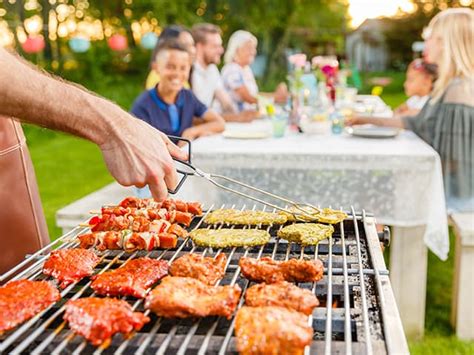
[170,107]
[418,85]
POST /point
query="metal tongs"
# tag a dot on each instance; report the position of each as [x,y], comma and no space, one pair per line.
[304,212]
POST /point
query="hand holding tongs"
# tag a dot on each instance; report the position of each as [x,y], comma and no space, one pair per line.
[304,209]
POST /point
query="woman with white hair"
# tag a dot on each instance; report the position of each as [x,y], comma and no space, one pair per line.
[446,122]
[237,75]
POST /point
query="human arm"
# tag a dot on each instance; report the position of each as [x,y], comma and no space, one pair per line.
[396,121]
[134,152]
[212,123]
[244,116]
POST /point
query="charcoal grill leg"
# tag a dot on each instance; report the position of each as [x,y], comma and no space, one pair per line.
[408,273]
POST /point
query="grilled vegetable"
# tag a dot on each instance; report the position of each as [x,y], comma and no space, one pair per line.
[306,233]
[237,217]
[226,237]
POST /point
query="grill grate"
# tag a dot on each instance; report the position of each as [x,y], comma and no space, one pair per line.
[357,313]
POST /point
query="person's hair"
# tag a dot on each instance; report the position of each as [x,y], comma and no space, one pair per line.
[169,33]
[455,27]
[169,44]
[201,30]
[424,67]
[237,40]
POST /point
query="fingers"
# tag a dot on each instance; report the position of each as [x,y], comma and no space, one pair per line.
[158,189]
[173,149]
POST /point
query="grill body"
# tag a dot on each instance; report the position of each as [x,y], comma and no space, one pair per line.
[357,312]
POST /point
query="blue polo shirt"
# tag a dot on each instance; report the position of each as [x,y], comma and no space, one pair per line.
[170,119]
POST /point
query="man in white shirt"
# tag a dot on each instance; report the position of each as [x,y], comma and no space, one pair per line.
[206,80]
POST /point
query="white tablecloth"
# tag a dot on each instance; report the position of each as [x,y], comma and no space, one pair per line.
[399,179]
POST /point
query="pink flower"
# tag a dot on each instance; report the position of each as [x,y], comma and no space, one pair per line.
[298,60]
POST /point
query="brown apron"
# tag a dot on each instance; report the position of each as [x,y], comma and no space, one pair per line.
[22,224]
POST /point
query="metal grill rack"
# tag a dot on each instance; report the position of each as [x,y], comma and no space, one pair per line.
[357,312]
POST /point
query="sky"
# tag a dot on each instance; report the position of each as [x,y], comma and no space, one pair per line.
[364,9]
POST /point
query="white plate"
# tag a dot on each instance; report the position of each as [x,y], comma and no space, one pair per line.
[231,134]
[371,131]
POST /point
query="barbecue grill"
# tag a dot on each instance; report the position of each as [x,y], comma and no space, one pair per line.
[357,312]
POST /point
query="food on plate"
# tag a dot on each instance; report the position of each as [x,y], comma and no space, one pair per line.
[98,319]
[183,297]
[270,271]
[132,279]
[128,240]
[138,222]
[281,294]
[206,269]
[325,215]
[194,208]
[69,266]
[239,217]
[227,237]
[22,299]
[271,330]
[306,233]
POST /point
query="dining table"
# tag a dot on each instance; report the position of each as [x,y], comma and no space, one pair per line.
[398,179]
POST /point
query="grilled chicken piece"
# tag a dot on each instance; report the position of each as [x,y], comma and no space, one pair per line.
[227,237]
[183,297]
[238,217]
[22,299]
[326,215]
[132,279]
[205,269]
[270,271]
[98,319]
[271,331]
[282,294]
[70,265]
[306,233]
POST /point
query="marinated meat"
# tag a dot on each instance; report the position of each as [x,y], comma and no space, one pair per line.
[128,240]
[282,294]
[245,217]
[169,204]
[326,215]
[98,319]
[22,299]
[270,271]
[183,297]
[271,331]
[205,269]
[138,223]
[306,233]
[132,279]
[70,265]
[226,237]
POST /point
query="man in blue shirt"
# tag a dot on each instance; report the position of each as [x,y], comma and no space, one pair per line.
[170,107]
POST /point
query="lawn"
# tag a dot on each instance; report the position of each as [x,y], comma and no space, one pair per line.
[68,168]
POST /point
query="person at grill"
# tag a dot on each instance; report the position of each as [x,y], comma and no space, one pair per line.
[171,108]
[170,33]
[206,80]
[135,153]
[446,122]
[238,77]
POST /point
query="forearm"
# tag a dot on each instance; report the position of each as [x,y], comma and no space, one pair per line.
[35,97]
[379,121]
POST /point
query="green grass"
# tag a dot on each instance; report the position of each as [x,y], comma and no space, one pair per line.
[69,168]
